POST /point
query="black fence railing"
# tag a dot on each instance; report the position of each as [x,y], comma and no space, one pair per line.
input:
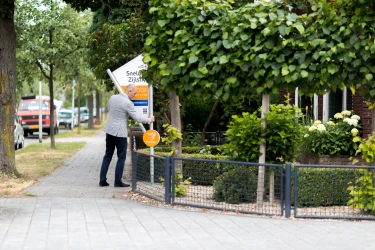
[228,185]
[300,190]
[149,174]
[323,191]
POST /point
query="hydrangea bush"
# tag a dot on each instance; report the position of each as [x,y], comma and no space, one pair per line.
[339,136]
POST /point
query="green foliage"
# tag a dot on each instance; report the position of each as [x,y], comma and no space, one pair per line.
[7,8]
[115,45]
[189,138]
[362,192]
[282,135]
[238,104]
[367,149]
[47,42]
[194,112]
[244,137]
[214,150]
[200,172]
[181,185]
[323,187]
[172,133]
[94,5]
[340,136]
[209,47]
[238,185]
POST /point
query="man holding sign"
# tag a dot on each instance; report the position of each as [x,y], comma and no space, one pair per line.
[120,108]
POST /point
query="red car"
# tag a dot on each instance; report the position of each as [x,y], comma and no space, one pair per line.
[28,115]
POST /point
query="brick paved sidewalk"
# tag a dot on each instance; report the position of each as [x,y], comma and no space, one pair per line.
[70,211]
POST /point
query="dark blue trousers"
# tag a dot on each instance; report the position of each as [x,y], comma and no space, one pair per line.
[121,144]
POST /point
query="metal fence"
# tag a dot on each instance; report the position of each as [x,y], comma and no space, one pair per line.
[228,185]
[323,191]
[300,190]
[149,174]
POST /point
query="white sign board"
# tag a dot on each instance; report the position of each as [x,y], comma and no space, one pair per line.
[130,73]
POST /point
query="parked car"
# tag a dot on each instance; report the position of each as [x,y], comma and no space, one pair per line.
[84,114]
[65,119]
[28,115]
[19,139]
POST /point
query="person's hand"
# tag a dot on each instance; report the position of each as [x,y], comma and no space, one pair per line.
[152,118]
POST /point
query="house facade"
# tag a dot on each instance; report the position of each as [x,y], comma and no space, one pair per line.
[323,107]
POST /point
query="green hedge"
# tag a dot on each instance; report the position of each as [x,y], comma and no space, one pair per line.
[215,150]
[237,185]
[316,186]
[200,172]
[323,186]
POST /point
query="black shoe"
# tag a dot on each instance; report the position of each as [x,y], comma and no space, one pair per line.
[103,183]
[121,184]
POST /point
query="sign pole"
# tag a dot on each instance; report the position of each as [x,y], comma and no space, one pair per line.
[40,112]
[73,113]
[151,108]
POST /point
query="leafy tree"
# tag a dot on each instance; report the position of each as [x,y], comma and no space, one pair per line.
[7,86]
[49,40]
[116,44]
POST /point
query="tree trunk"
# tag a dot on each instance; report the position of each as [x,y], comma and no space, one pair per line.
[7,94]
[52,108]
[176,123]
[90,104]
[208,122]
[262,158]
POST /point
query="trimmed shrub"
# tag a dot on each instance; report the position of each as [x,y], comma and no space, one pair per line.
[323,186]
[237,185]
[200,172]
[215,150]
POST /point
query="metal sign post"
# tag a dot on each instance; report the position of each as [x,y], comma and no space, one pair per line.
[40,113]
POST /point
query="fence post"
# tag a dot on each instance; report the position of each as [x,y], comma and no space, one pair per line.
[134,171]
[167,178]
[134,144]
[287,189]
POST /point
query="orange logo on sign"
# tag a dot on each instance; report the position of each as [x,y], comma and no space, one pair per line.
[151,138]
[142,92]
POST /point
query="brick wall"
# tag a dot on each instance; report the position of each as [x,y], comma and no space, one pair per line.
[361,109]
[330,160]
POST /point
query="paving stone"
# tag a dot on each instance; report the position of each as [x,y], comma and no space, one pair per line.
[71,211]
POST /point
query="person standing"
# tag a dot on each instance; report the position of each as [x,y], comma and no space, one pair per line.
[120,107]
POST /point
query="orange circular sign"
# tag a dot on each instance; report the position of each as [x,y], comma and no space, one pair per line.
[151,138]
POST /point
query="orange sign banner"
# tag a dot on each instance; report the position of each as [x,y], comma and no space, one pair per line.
[142,92]
[151,138]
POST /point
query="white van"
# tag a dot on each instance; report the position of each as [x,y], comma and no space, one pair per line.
[65,119]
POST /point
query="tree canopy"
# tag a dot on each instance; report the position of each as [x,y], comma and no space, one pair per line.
[197,46]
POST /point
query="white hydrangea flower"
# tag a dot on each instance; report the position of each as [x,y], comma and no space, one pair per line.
[312,128]
[338,116]
[321,127]
[331,123]
[353,122]
[354,131]
[346,112]
[317,122]
[355,117]
[306,135]
[346,120]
